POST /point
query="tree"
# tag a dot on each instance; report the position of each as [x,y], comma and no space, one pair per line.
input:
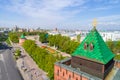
[43,59]
[3,37]
[117,48]
[62,43]
[43,37]
[110,44]
[78,37]
[14,37]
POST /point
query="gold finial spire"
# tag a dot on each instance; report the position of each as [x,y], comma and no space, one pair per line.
[94,23]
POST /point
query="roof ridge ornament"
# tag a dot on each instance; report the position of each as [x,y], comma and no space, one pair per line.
[94,23]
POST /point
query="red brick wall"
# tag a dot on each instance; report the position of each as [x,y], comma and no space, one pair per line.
[63,74]
[21,41]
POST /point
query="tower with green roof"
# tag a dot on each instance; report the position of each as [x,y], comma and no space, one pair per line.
[22,39]
[22,36]
[93,56]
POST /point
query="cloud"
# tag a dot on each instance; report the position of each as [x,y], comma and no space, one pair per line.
[45,9]
[109,22]
[109,18]
[55,12]
[114,1]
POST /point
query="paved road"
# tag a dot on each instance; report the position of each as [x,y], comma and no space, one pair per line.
[8,70]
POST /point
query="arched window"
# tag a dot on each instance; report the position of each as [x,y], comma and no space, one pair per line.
[91,46]
[85,46]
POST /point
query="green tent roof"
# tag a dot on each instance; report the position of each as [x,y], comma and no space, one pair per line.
[100,52]
[22,36]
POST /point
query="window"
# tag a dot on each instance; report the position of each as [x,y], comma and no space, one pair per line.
[91,46]
[85,46]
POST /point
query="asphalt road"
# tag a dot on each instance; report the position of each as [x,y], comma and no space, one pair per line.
[8,69]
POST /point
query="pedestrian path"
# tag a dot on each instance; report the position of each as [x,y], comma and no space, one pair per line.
[62,53]
[29,68]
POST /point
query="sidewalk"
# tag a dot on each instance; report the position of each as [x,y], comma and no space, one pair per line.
[28,68]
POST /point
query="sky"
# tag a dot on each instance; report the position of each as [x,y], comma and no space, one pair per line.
[61,14]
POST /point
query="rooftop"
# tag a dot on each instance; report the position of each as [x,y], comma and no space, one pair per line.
[94,48]
[22,36]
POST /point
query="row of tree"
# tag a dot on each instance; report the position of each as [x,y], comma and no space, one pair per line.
[43,58]
[114,46]
[29,33]
[43,37]
[62,43]
[3,37]
[14,36]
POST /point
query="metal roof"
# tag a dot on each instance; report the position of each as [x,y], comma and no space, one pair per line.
[22,36]
[100,52]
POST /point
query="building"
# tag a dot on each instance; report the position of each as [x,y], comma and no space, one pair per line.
[106,35]
[22,39]
[92,60]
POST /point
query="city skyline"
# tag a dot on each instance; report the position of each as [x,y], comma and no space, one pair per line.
[63,14]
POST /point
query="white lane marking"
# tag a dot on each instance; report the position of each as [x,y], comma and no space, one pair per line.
[0,56]
[0,69]
[0,74]
[4,65]
[0,77]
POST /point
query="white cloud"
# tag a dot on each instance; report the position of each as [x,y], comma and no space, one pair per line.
[109,22]
[45,9]
[53,12]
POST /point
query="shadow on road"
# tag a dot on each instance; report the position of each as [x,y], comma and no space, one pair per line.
[4,46]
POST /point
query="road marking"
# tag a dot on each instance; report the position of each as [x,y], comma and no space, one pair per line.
[0,77]
[0,70]
[0,56]
[0,74]
[4,65]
